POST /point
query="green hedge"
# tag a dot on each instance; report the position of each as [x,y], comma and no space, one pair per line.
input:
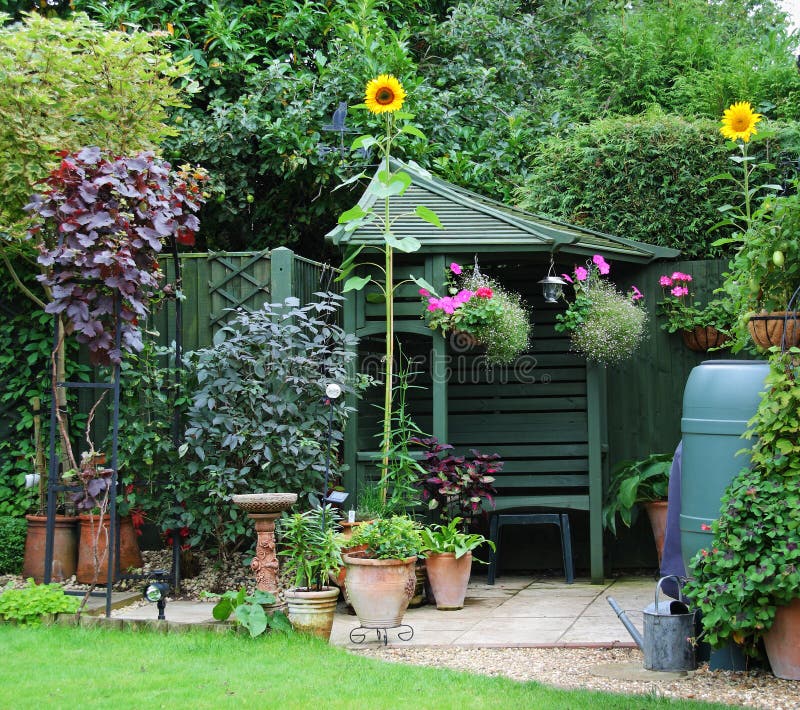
[642,177]
[12,544]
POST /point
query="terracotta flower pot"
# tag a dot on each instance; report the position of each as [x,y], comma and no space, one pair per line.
[657,512]
[782,642]
[449,577]
[129,555]
[65,548]
[767,329]
[311,612]
[701,339]
[379,590]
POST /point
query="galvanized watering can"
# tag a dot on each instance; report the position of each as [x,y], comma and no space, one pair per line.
[668,631]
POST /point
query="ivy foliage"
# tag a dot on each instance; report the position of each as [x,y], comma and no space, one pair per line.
[26,339]
[644,177]
[12,544]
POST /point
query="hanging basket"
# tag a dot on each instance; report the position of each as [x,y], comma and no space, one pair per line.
[461,341]
[767,330]
[701,339]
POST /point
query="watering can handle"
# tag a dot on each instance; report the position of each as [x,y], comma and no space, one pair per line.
[677,581]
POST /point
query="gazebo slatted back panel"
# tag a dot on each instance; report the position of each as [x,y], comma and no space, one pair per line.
[534,416]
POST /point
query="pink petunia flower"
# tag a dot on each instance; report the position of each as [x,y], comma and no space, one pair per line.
[463,296]
[581,273]
[680,276]
[601,264]
[484,292]
[679,291]
[567,278]
[424,292]
[434,304]
[455,268]
[636,294]
[665,281]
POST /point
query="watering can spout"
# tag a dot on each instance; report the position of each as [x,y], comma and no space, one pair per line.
[626,622]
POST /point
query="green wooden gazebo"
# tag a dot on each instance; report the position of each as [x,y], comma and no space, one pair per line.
[546,416]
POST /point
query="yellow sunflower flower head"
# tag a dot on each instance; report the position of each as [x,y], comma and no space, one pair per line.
[384,94]
[739,121]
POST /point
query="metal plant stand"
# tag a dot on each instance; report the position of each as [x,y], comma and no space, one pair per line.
[359,634]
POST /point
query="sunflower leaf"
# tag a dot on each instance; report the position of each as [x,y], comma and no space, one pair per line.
[366,141]
[349,215]
[428,215]
[356,283]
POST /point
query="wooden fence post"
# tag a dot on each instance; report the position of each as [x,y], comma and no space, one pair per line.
[282,267]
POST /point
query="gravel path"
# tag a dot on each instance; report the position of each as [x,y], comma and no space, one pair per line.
[594,669]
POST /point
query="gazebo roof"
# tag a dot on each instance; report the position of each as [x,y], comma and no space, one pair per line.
[475,223]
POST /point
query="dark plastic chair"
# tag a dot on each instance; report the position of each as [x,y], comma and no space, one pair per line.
[561,520]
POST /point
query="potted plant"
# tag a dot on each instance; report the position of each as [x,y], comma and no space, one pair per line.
[448,559]
[312,554]
[479,311]
[453,485]
[702,328]
[380,577]
[644,482]
[747,583]
[604,325]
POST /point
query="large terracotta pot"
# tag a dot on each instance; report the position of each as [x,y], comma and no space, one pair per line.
[65,548]
[782,642]
[449,577]
[657,512]
[379,590]
[129,554]
[767,329]
[312,612]
[702,338]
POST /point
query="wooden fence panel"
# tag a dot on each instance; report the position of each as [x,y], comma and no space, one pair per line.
[216,282]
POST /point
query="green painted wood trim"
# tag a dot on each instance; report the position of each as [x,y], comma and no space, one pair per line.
[435,275]
[350,443]
[282,274]
[596,411]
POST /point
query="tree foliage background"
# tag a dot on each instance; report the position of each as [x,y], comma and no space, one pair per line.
[493,82]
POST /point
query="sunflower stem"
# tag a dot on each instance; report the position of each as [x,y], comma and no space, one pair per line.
[389,298]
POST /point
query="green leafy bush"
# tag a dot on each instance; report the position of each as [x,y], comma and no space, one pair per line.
[643,177]
[12,544]
[27,605]
[258,420]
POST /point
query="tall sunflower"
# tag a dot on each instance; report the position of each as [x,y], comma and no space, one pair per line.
[739,121]
[384,94]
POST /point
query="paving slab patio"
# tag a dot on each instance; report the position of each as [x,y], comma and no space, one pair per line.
[515,612]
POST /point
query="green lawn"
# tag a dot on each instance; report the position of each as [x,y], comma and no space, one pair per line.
[59,667]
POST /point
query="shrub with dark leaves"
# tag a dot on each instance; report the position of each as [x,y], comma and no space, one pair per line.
[102,223]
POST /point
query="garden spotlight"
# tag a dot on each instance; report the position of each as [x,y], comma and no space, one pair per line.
[157,591]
